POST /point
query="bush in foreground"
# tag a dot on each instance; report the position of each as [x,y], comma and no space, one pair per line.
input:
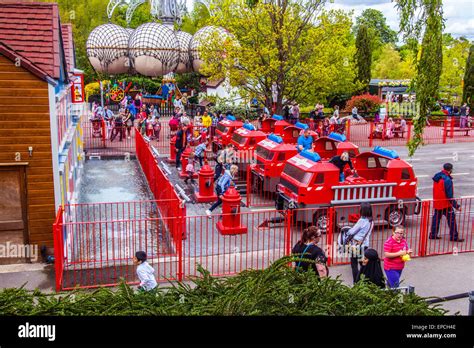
[277,290]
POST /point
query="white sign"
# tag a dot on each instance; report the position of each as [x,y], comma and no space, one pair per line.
[301,162]
[268,143]
[242,131]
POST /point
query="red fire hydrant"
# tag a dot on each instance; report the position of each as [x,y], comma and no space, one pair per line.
[184,163]
[172,158]
[206,185]
[230,223]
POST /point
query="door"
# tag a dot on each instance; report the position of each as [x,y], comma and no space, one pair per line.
[13,221]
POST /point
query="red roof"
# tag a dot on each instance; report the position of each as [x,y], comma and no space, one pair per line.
[68,44]
[32,30]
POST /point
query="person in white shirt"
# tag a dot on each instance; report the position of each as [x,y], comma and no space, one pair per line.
[145,273]
[178,103]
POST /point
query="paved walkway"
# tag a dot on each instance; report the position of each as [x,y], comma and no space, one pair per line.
[431,276]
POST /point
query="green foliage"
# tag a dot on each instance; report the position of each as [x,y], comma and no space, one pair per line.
[280,43]
[390,64]
[363,57]
[277,290]
[425,17]
[195,20]
[376,23]
[468,90]
[455,53]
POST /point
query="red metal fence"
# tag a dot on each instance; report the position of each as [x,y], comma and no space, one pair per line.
[103,139]
[100,252]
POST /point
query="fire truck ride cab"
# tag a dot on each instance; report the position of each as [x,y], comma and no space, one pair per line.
[225,129]
[334,145]
[276,124]
[291,133]
[271,155]
[245,141]
[309,182]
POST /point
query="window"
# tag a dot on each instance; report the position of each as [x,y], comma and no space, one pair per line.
[406,174]
[329,146]
[383,162]
[252,141]
[298,174]
[371,163]
[264,153]
[239,139]
[222,128]
[319,179]
[281,157]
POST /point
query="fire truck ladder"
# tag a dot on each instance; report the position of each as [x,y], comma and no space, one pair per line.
[363,193]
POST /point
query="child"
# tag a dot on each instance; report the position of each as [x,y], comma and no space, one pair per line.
[149,127]
[145,272]
[156,128]
[190,169]
[395,255]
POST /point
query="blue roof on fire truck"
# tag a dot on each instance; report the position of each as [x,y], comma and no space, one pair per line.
[313,156]
[277,117]
[382,151]
[249,126]
[301,125]
[275,138]
[337,136]
[230,118]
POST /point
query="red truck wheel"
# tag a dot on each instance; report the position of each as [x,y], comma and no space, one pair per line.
[394,216]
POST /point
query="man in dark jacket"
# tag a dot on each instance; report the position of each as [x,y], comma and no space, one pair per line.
[180,144]
[444,204]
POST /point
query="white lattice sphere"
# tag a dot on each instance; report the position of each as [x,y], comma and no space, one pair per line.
[199,40]
[154,49]
[184,64]
[107,49]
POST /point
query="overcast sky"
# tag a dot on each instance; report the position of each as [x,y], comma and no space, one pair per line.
[459,14]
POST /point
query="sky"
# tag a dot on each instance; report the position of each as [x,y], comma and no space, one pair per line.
[459,14]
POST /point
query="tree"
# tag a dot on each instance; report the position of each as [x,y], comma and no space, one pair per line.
[378,30]
[425,17]
[455,53]
[279,42]
[363,57]
[390,65]
[468,91]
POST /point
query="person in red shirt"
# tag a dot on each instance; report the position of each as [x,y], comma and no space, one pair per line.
[394,249]
[444,203]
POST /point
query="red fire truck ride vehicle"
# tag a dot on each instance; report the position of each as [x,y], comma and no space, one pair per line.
[276,124]
[271,155]
[245,141]
[334,145]
[291,133]
[382,177]
[225,129]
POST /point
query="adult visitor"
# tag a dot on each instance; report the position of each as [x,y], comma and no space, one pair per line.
[307,248]
[444,203]
[371,269]
[180,145]
[305,141]
[359,236]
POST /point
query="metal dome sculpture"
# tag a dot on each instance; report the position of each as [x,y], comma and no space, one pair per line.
[199,40]
[184,64]
[154,49]
[107,49]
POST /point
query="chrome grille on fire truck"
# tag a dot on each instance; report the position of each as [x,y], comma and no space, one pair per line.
[363,193]
[290,186]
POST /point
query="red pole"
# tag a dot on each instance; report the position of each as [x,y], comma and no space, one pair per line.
[249,186]
[103,132]
[58,248]
[425,211]
[384,128]
[452,127]
[409,131]
[348,135]
[445,129]
[371,134]
[289,220]
[179,247]
[329,235]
